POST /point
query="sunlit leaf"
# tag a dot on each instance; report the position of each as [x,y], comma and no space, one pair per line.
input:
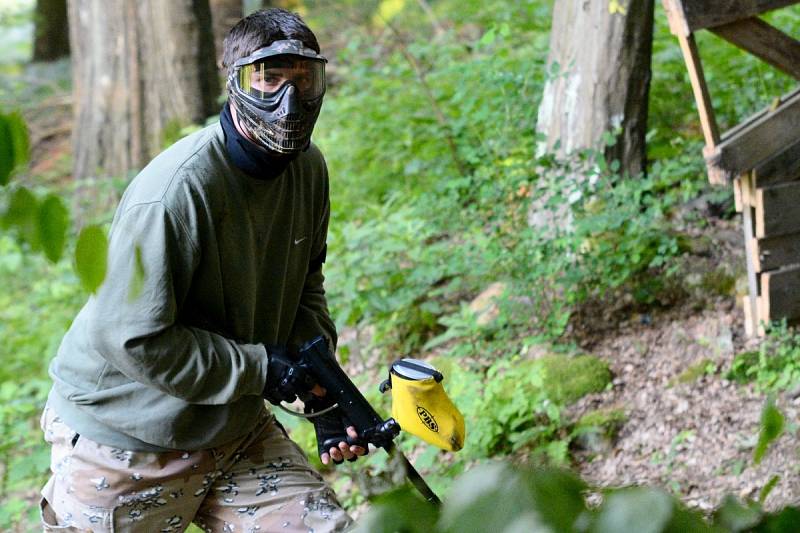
[495,497]
[783,521]
[772,422]
[399,510]
[734,516]
[21,214]
[52,223]
[7,162]
[91,257]
[642,510]
[766,489]
[558,497]
[488,37]
[14,146]
[19,136]
[490,494]
[614,6]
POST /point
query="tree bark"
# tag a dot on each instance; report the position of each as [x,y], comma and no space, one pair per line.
[225,14]
[51,34]
[599,63]
[141,68]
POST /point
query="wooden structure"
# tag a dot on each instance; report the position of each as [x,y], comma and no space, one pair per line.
[760,156]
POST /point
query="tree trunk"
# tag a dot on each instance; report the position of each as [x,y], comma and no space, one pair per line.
[600,66]
[141,69]
[51,34]
[224,13]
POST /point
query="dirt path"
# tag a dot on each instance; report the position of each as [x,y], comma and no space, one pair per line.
[695,438]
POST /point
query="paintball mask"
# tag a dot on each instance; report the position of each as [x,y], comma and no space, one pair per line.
[277,91]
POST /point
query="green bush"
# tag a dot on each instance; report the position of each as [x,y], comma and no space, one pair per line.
[518,404]
[775,365]
[37,304]
[504,498]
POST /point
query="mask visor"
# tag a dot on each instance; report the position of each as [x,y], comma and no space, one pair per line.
[264,79]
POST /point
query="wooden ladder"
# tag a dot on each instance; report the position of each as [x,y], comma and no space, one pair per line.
[760,156]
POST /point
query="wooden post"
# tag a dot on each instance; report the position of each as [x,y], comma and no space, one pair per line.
[752,276]
[700,89]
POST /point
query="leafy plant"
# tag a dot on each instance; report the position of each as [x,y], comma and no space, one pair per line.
[502,497]
[775,365]
[772,422]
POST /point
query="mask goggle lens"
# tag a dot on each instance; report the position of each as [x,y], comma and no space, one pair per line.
[263,79]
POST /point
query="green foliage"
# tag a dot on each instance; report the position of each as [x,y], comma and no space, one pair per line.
[518,404]
[383,276]
[392,514]
[567,379]
[696,371]
[772,422]
[14,149]
[37,304]
[41,224]
[775,365]
[20,214]
[410,247]
[91,257]
[52,221]
[599,424]
[499,497]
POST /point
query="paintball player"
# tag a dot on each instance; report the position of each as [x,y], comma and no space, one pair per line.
[157,416]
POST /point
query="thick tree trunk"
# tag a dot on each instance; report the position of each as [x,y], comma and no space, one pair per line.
[224,13]
[51,36]
[141,68]
[600,65]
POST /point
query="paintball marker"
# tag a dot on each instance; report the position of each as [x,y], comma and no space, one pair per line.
[419,406]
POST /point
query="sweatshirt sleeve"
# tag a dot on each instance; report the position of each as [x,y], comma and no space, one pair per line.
[313,318]
[135,325]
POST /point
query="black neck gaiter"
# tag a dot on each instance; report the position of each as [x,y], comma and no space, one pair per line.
[248,157]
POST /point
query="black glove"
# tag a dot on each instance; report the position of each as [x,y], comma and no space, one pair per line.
[285,378]
[331,427]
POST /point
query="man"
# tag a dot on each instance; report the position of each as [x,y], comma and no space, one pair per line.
[157,415]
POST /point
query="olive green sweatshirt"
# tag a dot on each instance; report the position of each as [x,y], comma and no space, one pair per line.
[206,266]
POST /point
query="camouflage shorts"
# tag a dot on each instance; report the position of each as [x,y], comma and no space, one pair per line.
[260,482]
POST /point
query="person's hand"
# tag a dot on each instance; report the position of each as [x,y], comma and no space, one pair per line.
[337,440]
[286,380]
[344,450]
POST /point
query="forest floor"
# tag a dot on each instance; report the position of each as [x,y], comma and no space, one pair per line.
[688,428]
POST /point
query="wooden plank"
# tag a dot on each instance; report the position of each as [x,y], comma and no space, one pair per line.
[777,210]
[693,15]
[759,139]
[749,328]
[715,175]
[781,294]
[763,312]
[748,191]
[765,42]
[773,253]
[753,325]
[752,275]
[676,18]
[782,168]
[701,95]
[737,195]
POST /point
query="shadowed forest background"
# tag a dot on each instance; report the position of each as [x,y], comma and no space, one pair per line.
[605,339]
